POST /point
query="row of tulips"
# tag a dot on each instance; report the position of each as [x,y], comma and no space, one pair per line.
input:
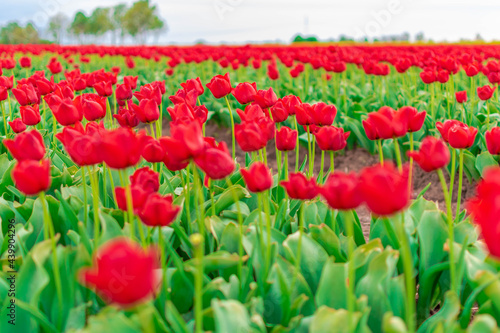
[185,238]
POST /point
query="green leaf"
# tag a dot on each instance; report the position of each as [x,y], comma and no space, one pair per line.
[484,161]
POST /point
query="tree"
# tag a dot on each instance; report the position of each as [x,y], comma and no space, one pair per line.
[13,33]
[117,21]
[79,26]
[100,21]
[57,25]
[140,19]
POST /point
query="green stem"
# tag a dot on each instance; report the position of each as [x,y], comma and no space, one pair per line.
[460,176]
[48,224]
[321,167]
[198,245]
[380,152]
[309,151]
[351,270]
[332,163]
[240,227]
[451,235]
[408,274]
[265,199]
[453,171]
[410,175]
[95,199]
[398,154]
[297,145]
[4,119]
[187,184]
[85,201]
[286,165]
[232,128]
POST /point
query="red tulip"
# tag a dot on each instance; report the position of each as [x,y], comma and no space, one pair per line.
[457,134]
[286,139]
[131,81]
[183,96]
[341,191]
[4,94]
[485,210]
[55,67]
[194,85]
[26,94]
[461,96]
[258,177]
[66,112]
[485,92]
[84,147]
[291,103]
[330,138]
[147,111]
[253,112]
[32,177]
[92,106]
[121,148]
[26,146]
[384,189]
[250,136]
[433,154]
[104,88]
[150,91]
[265,98]
[493,140]
[30,114]
[158,210]
[415,119]
[428,77]
[25,62]
[17,125]
[443,76]
[471,70]
[220,85]
[146,179]
[123,273]
[123,92]
[126,118]
[279,111]
[152,150]
[7,82]
[215,160]
[245,92]
[299,187]
[386,123]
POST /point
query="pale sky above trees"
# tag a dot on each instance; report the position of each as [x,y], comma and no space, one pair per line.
[267,20]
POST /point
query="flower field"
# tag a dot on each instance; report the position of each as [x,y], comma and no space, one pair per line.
[120,212]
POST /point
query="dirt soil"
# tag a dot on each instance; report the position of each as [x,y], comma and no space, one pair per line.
[354,160]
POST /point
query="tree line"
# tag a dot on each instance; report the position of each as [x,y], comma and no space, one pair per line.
[140,22]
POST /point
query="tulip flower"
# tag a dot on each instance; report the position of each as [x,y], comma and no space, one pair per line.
[26,146]
[299,187]
[123,273]
[147,111]
[433,154]
[30,114]
[66,112]
[194,85]
[17,125]
[457,134]
[250,136]
[183,96]
[258,177]
[341,191]
[25,62]
[121,148]
[220,85]
[104,88]
[123,92]
[493,140]
[330,138]
[55,67]
[385,189]
[32,177]
[158,210]
[286,139]
[245,92]
[485,92]
[215,161]
[265,98]
[26,94]
[485,211]
[130,81]
[461,96]
[152,150]
[126,118]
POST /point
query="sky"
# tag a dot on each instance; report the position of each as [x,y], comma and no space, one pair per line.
[242,21]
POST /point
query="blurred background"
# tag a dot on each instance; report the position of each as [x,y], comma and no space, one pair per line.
[186,22]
